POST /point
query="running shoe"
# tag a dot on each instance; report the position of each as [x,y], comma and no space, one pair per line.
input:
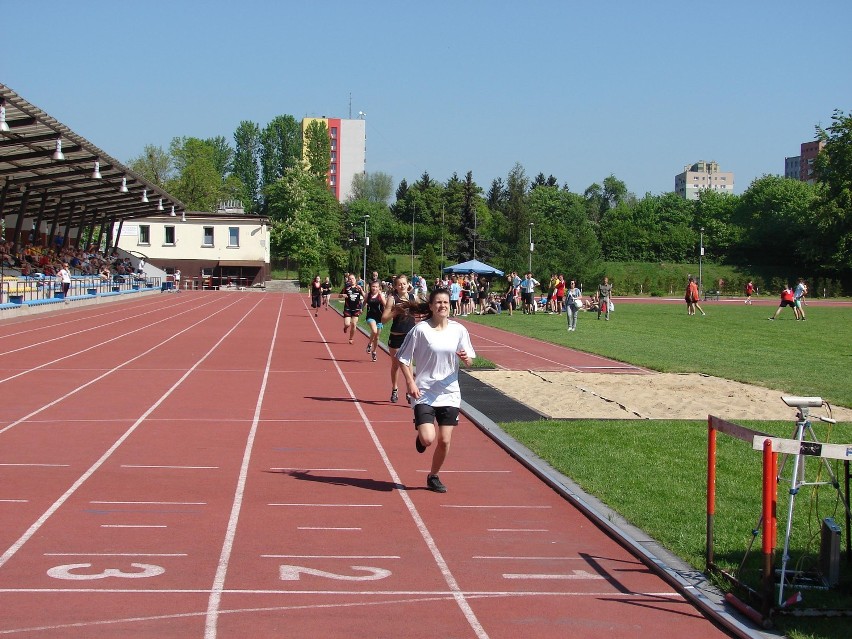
[368,347]
[419,445]
[374,357]
[434,484]
[394,396]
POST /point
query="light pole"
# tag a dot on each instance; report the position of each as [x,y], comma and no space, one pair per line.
[413,211]
[442,239]
[531,248]
[366,243]
[700,255]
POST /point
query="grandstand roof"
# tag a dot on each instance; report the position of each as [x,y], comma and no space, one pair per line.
[31,174]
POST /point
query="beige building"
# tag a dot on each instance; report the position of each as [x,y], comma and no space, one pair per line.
[700,176]
[228,247]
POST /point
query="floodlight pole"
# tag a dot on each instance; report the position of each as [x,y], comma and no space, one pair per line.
[531,248]
[700,256]
[366,242]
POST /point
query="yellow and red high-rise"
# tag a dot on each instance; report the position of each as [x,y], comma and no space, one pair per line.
[348,139]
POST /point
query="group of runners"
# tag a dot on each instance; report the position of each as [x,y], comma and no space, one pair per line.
[421,332]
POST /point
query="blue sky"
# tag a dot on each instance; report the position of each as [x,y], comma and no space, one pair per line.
[579,90]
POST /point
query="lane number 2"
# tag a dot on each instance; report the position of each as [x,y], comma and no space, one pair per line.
[294,573]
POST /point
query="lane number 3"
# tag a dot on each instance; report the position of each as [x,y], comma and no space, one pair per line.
[69,571]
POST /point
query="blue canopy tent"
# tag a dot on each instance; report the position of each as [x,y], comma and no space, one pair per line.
[473,266]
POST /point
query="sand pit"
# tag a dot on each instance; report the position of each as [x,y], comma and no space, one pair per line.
[656,396]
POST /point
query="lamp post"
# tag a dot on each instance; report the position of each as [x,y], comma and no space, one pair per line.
[700,256]
[413,211]
[531,248]
[366,243]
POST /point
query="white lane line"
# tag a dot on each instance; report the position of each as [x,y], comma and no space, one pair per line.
[325,470]
[500,557]
[133,526]
[417,597]
[393,593]
[466,471]
[36,465]
[156,503]
[15,501]
[518,530]
[34,528]
[95,380]
[176,467]
[498,506]
[578,575]
[116,554]
[458,594]
[326,528]
[331,505]
[215,598]
[331,556]
[98,345]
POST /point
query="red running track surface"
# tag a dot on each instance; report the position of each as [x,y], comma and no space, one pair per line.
[226,465]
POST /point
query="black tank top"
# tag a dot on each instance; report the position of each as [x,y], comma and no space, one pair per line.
[375,307]
[402,324]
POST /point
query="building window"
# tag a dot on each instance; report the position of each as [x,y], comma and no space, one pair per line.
[334,157]
[233,237]
[334,131]
[145,235]
[208,236]
[169,237]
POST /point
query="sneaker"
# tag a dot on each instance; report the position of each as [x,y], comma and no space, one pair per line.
[374,357]
[408,398]
[803,319]
[419,445]
[394,396]
[771,318]
[368,347]
[434,484]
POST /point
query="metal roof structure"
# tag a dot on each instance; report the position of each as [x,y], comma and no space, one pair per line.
[58,178]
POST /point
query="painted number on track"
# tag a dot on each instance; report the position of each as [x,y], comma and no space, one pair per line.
[67,572]
[293,573]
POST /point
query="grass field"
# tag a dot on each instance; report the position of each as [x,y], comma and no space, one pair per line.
[734,342]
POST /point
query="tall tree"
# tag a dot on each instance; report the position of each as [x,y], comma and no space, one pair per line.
[247,163]
[223,154]
[198,181]
[154,164]
[516,211]
[833,208]
[317,150]
[373,187]
[281,148]
[469,222]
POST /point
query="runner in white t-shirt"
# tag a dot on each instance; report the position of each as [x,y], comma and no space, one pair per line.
[436,345]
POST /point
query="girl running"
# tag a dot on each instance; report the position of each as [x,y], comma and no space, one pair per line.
[403,322]
[436,345]
[353,299]
[375,304]
[316,294]
[326,292]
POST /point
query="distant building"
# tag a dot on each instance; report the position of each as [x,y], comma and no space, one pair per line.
[801,167]
[793,167]
[700,176]
[348,152]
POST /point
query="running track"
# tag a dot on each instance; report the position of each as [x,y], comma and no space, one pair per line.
[213,464]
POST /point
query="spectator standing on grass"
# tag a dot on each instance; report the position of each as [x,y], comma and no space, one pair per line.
[749,291]
[528,285]
[788,298]
[436,345]
[799,297]
[573,304]
[691,297]
[604,296]
[455,297]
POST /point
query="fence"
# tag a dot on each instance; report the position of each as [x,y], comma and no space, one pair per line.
[24,290]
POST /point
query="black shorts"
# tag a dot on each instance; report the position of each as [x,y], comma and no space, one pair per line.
[444,415]
[789,303]
[395,340]
[348,313]
[527,297]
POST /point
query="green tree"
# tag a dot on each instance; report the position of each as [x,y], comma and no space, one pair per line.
[246,164]
[154,164]
[280,148]
[198,181]
[317,150]
[832,209]
[373,187]
[469,218]
[429,267]
[223,155]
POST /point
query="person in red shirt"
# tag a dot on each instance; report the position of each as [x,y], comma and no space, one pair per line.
[749,291]
[787,299]
[691,297]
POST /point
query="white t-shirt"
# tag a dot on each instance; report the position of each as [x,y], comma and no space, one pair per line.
[437,363]
[64,276]
[801,289]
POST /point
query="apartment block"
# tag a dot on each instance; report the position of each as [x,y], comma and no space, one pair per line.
[348,139]
[700,176]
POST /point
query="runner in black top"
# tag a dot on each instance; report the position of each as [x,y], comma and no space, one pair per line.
[375,308]
[316,294]
[326,292]
[403,322]
[353,299]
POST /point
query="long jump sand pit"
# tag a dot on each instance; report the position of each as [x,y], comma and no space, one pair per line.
[562,395]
